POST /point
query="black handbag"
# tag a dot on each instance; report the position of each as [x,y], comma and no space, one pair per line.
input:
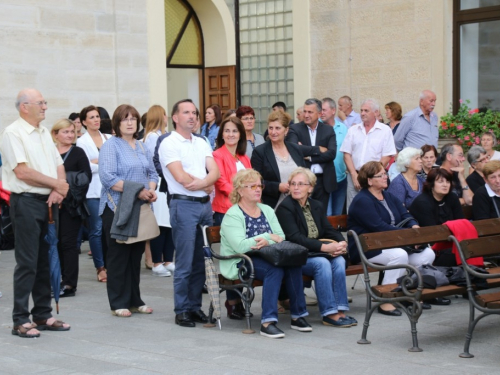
[282,254]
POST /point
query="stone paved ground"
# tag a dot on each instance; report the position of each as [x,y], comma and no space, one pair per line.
[99,343]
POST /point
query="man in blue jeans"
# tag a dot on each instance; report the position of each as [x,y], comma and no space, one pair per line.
[190,172]
[337,197]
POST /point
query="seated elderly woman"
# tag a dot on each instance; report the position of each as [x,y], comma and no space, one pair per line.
[376,210]
[304,222]
[407,185]
[486,200]
[250,225]
[477,158]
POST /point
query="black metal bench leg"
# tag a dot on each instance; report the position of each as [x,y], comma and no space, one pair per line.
[415,348]
[366,324]
[247,298]
[470,330]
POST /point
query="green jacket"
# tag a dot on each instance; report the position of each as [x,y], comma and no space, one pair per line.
[233,237]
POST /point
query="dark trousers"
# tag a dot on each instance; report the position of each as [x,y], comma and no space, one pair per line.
[162,247]
[320,194]
[124,268]
[69,254]
[31,275]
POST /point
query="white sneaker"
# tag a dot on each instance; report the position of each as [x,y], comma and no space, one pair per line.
[161,271]
[170,267]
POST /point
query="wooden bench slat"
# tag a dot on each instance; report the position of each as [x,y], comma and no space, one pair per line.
[494,305]
[384,291]
[488,227]
[338,222]
[485,299]
[482,246]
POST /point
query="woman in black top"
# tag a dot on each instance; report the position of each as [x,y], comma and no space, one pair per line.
[486,200]
[477,158]
[70,219]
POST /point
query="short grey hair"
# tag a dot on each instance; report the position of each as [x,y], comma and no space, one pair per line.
[347,98]
[474,154]
[447,149]
[314,101]
[331,103]
[311,177]
[405,156]
[23,97]
[424,94]
[373,104]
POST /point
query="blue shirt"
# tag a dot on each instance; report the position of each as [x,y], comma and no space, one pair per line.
[120,162]
[415,130]
[211,134]
[351,119]
[340,168]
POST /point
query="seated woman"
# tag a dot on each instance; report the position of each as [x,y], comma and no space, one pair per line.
[486,201]
[407,185]
[429,157]
[250,225]
[303,222]
[376,210]
[435,206]
[477,158]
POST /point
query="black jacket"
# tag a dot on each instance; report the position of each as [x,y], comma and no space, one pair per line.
[294,225]
[264,161]
[325,137]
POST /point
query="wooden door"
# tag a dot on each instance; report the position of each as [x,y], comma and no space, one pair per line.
[220,88]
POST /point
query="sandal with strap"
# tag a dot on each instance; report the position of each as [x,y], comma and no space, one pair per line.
[57,325]
[144,309]
[23,331]
[101,278]
[122,313]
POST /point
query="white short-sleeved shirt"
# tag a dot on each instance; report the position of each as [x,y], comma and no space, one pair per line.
[371,146]
[192,153]
[23,143]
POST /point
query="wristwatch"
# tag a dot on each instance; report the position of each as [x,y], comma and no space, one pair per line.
[466,187]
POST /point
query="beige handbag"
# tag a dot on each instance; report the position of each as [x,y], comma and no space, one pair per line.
[148,226]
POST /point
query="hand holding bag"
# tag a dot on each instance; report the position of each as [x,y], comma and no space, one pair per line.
[282,254]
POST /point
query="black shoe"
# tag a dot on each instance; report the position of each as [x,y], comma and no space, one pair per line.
[301,325]
[184,320]
[199,316]
[233,312]
[394,312]
[425,305]
[438,301]
[67,292]
[241,309]
[271,331]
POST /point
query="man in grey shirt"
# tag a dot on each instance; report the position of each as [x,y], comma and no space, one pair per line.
[419,126]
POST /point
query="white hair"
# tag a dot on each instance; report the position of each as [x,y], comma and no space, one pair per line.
[373,104]
[405,156]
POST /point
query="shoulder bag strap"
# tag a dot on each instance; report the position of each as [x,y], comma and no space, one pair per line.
[71,148]
[496,207]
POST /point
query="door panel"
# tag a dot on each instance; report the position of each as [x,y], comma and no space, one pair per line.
[220,87]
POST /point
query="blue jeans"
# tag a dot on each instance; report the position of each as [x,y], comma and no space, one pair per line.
[337,199]
[329,279]
[189,276]
[95,232]
[272,277]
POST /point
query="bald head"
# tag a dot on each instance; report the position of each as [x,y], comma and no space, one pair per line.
[31,106]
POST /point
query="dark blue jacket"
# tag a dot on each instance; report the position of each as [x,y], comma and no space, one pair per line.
[368,215]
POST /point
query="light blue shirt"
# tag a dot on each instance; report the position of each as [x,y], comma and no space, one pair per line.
[415,130]
[351,119]
[340,168]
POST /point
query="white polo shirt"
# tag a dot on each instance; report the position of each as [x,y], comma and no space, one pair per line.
[192,153]
[371,146]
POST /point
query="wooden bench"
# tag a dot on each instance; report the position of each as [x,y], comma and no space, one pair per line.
[408,237]
[246,281]
[487,302]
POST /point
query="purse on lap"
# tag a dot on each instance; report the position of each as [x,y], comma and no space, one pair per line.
[282,254]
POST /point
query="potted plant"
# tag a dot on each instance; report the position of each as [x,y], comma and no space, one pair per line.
[468,124]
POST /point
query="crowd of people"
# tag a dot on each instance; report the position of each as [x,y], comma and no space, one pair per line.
[259,189]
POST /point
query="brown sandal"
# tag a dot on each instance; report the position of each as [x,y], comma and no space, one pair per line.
[101,278]
[23,331]
[57,325]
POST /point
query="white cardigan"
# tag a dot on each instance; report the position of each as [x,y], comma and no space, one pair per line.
[88,145]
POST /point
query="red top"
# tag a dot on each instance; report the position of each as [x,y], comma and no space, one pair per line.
[224,185]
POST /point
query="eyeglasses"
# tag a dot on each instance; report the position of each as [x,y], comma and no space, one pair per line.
[254,187]
[299,184]
[382,175]
[41,103]
[131,120]
[248,118]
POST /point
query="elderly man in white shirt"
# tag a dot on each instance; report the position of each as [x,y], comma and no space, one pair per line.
[368,141]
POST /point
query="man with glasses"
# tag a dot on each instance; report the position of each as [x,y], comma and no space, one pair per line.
[368,141]
[33,172]
[452,156]
[190,171]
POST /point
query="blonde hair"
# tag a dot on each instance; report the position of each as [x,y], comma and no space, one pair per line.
[282,117]
[155,120]
[491,167]
[59,125]
[311,177]
[245,175]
